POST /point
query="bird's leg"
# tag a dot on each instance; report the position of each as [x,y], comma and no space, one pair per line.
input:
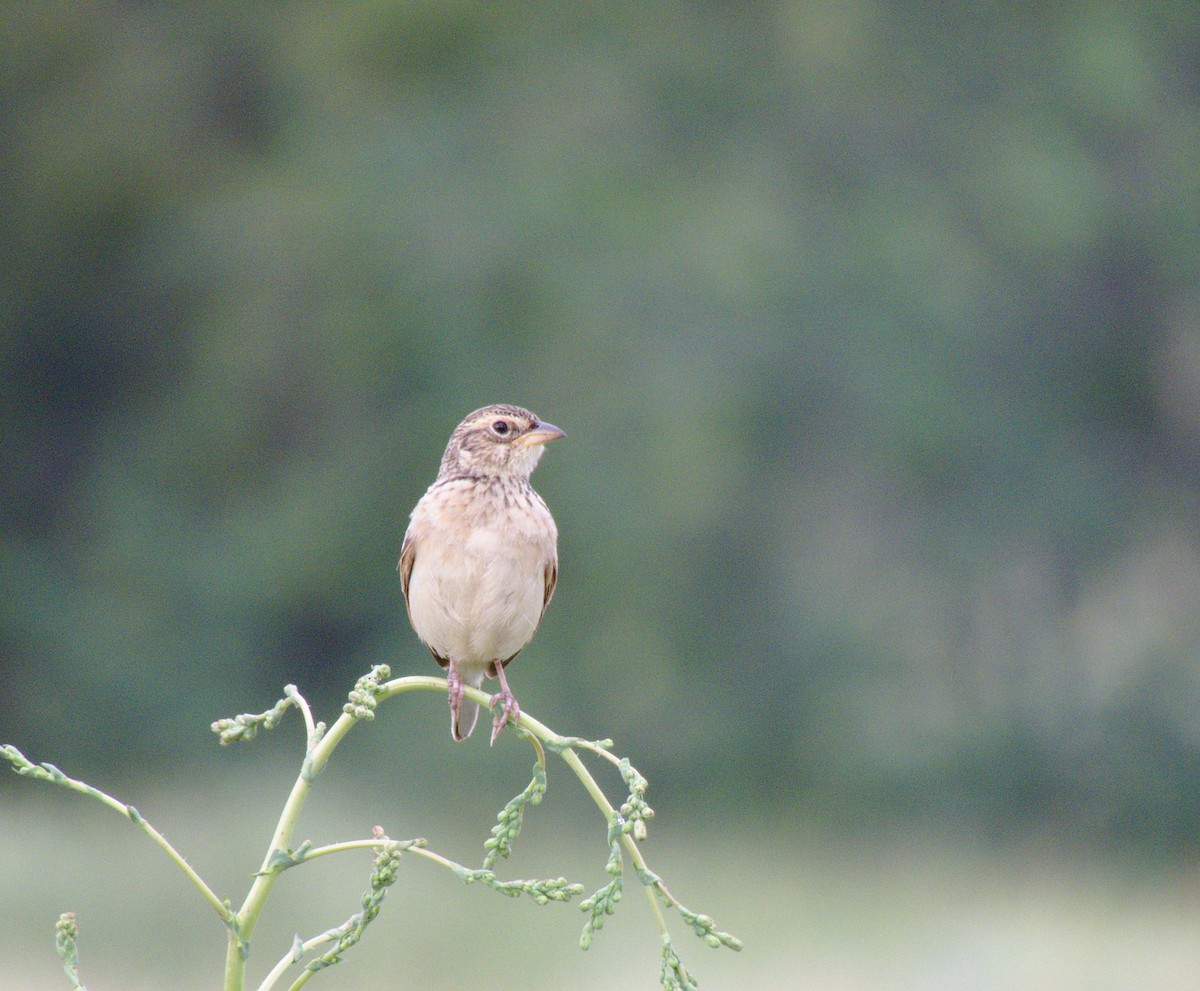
[454,681]
[510,711]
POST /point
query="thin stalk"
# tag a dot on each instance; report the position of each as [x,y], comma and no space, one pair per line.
[48,772]
[243,923]
[635,854]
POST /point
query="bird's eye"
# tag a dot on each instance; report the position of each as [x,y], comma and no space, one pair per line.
[500,427]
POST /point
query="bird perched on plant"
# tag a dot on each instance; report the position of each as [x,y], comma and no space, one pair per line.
[480,556]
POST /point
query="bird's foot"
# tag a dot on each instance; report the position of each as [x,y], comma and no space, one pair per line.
[510,710]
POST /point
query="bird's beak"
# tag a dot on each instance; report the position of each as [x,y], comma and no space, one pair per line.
[543,433]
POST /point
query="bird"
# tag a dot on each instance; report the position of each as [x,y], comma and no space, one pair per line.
[479,561]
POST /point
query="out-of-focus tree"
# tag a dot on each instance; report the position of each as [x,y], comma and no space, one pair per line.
[874,330]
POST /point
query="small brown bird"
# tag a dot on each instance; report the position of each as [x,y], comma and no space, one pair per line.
[480,557]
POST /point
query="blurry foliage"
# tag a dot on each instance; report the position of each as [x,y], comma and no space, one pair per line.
[874,330]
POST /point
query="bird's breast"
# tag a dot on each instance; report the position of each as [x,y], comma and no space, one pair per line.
[477,587]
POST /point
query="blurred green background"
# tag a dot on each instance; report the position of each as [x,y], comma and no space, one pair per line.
[875,331]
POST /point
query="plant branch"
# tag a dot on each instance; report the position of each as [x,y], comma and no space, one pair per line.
[321,745]
[48,772]
[626,826]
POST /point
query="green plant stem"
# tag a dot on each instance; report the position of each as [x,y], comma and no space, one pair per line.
[241,926]
[541,731]
[48,772]
[304,978]
[426,683]
[320,746]
[291,692]
[292,957]
[372,844]
[416,848]
[571,758]
[243,923]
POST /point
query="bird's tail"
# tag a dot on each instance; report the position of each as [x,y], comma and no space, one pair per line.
[464,715]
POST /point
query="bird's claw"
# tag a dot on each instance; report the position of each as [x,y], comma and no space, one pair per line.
[510,710]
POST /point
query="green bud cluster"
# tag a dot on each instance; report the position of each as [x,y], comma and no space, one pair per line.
[512,816]
[673,975]
[541,890]
[387,860]
[603,902]
[65,934]
[363,695]
[635,813]
[246,726]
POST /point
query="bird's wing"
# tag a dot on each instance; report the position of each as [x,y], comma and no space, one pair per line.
[551,580]
[408,554]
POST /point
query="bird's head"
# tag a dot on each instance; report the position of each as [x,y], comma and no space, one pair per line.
[498,441]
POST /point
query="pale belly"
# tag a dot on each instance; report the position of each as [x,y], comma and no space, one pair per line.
[477,601]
